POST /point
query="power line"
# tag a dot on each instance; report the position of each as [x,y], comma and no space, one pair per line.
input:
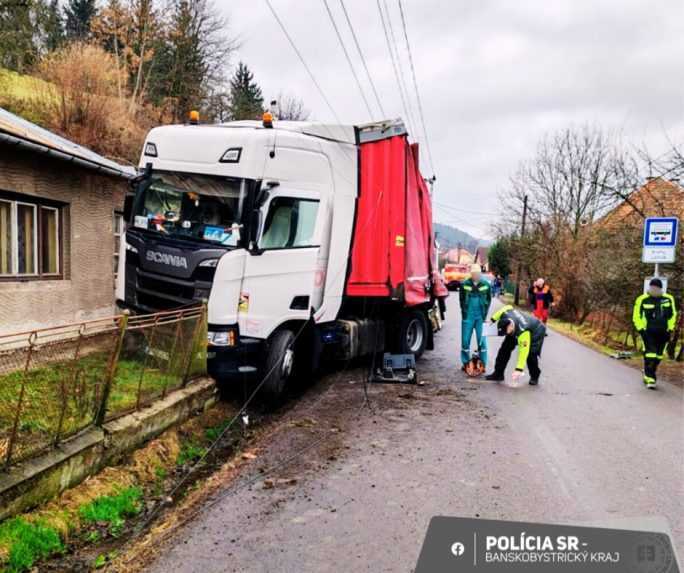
[394,64]
[301,59]
[464,211]
[346,55]
[400,66]
[363,59]
[415,85]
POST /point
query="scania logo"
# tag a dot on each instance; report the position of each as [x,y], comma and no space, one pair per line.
[166,259]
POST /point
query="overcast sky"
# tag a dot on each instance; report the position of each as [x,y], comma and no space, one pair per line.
[494,76]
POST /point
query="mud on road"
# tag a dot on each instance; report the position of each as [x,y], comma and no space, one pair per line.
[310,437]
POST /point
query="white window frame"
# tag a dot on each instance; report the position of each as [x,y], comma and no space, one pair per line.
[36,272]
[119,231]
[12,232]
[57,230]
[35,238]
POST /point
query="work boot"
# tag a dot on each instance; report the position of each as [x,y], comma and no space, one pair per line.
[495,377]
[534,381]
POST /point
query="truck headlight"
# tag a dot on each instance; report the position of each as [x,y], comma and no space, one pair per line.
[222,338]
[209,263]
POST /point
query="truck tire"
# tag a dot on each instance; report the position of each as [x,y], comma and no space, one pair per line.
[308,352]
[278,367]
[412,333]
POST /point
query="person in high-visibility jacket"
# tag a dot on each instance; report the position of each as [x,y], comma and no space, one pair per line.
[525,332]
[654,317]
[475,296]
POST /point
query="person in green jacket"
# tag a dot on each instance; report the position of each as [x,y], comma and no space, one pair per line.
[525,332]
[475,296]
[654,317]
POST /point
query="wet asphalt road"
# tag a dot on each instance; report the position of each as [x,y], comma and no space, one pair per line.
[588,445]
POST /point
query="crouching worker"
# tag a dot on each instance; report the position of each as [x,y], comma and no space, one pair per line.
[654,317]
[525,332]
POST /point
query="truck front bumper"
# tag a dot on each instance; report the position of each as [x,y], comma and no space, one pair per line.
[235,363]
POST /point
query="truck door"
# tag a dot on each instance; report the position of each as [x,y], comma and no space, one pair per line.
[280,275]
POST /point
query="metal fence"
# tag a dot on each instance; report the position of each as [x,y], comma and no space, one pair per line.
[55,382]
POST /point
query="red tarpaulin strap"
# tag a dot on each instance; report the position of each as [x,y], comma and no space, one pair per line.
[438,287]
[417,281]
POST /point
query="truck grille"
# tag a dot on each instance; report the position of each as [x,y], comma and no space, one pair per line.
[176,288]
[159,292]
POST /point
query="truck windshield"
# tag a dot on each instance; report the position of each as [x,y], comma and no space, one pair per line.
[188,206]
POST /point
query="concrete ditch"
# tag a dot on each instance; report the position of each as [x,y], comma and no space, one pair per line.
[35,481]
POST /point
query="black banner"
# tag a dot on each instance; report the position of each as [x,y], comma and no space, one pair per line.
[464,545]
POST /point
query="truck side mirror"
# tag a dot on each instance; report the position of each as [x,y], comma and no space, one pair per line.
[128,207]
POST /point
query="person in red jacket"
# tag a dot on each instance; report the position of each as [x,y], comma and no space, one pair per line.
[541,299]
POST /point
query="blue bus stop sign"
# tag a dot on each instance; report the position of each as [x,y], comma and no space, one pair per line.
[660,239]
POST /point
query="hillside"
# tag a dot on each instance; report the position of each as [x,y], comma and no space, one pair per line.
[23,94]
[451,237]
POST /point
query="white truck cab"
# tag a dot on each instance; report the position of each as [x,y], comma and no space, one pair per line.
[258,218]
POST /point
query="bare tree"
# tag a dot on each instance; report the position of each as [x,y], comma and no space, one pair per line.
[567,186]
[291,108]
[587,198]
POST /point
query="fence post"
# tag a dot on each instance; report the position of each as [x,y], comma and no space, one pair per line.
[20,404]
[195,334]
[111,369]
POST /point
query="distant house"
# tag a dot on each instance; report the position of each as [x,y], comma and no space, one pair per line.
[657,197]
[60,223]
[460,255]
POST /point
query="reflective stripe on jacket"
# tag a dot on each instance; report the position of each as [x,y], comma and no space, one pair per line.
[529,332]
[655,312]
[481,290]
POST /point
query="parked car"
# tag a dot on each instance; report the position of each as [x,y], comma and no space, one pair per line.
[454,274]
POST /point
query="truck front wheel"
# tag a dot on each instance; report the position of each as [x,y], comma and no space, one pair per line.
[279,365]
[412,333]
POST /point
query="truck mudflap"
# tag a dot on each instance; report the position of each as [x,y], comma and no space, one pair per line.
[228,364]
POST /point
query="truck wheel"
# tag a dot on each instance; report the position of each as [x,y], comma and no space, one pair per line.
[413,333]
[279,366]
[308,352]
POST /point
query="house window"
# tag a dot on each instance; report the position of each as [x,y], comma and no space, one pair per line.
[30,238]
[118,233]
[49,240]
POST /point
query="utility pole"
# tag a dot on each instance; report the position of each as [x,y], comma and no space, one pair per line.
[522,235]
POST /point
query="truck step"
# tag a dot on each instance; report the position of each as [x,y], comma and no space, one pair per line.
[396,369]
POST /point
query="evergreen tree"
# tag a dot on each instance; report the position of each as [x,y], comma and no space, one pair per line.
[79,14]
[246,101]
[499,257]
[18,45]
[189,59]
[53,26]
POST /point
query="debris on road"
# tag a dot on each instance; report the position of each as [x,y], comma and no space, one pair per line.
[271,483]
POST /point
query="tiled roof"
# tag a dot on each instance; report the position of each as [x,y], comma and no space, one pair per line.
[656,198]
